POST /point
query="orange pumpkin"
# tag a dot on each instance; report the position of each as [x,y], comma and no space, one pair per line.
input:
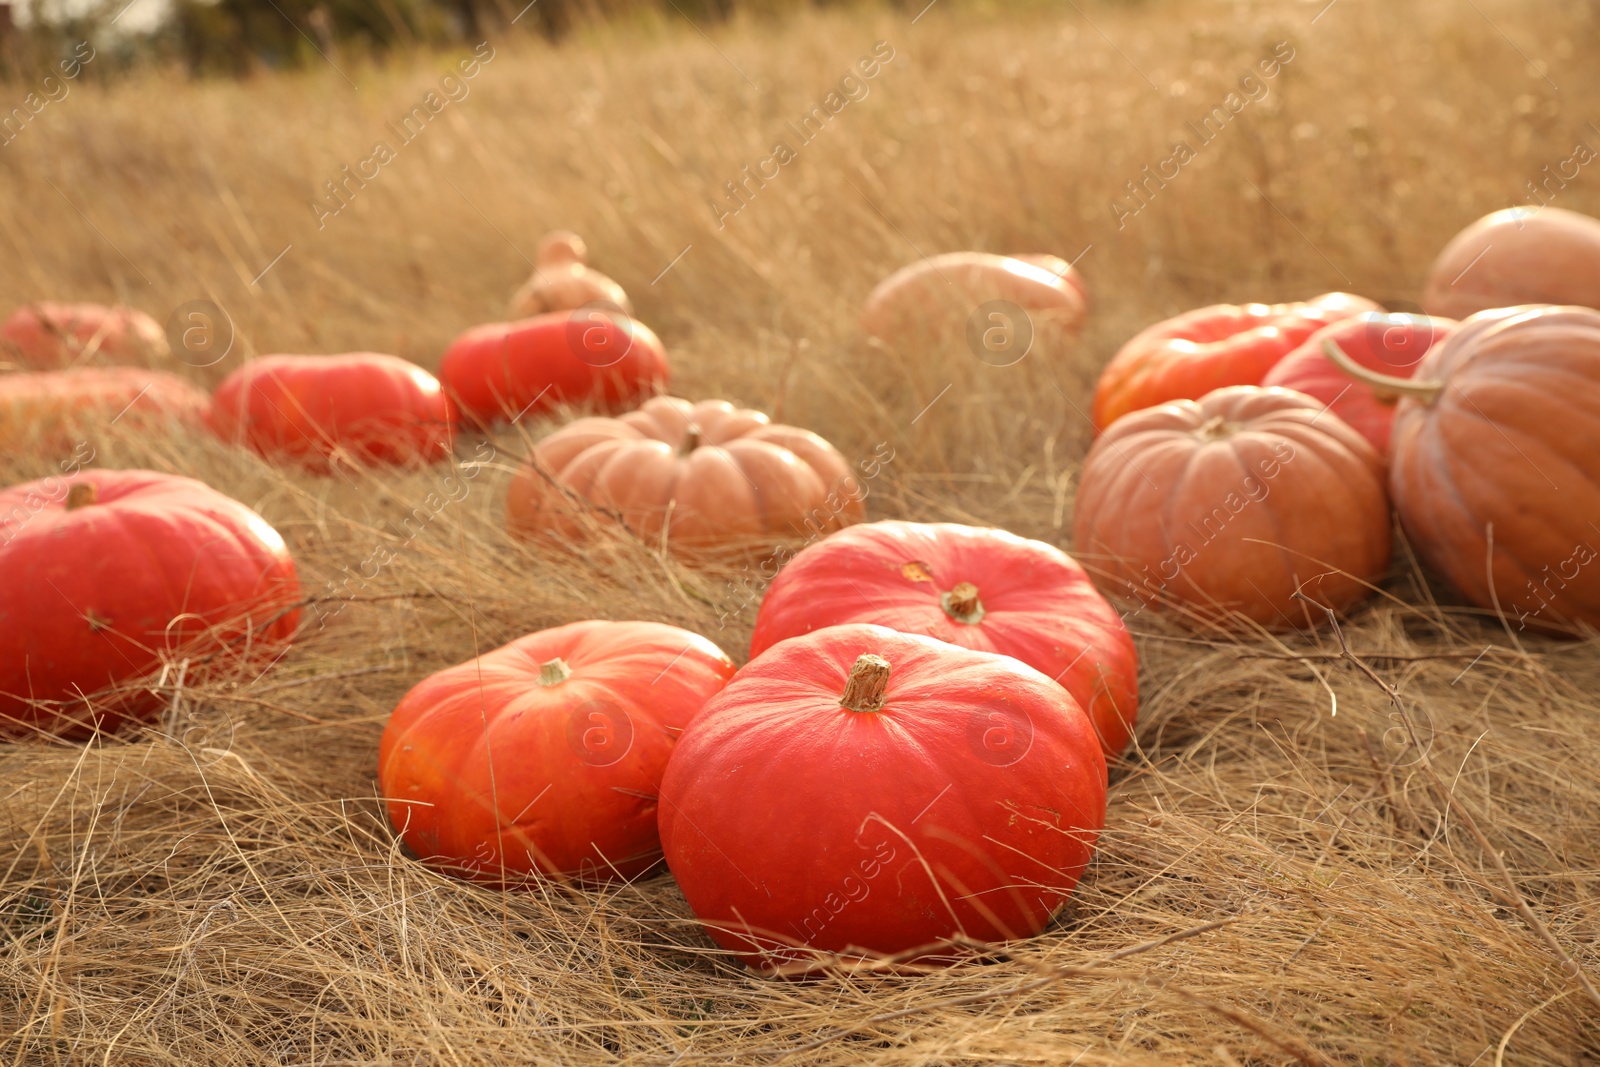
[562,280]
[948,293]
[45,410]
[545,756]
[1224,507]
[1493,462]
[1517,256]
[48,335]
[1186,357]
[695,475]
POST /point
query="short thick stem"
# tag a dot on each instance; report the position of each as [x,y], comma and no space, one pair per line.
[869,678]
[554,672]
[962,603]
[82,494]
[691,440]
[1216,428]
[1386,386]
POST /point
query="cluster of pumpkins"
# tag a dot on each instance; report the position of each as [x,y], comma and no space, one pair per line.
[914,758]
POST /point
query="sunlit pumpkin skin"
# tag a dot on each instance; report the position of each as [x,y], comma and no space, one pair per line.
[544,757]
[1517,256]
[1186,357]
[1389,343]
[562,280]
[360,408]
[1225,506]
[706,475]
[99,585]
[939,294]
[49,335]
[1505,433]
[863,791]
[506,370]
[980,588]
[48,410]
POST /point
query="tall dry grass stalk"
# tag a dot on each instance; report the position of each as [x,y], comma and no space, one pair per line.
[223,889]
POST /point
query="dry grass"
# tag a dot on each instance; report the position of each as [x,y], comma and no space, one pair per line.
[223,891]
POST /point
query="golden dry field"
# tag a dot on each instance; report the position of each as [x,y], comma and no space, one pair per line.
[1284,878]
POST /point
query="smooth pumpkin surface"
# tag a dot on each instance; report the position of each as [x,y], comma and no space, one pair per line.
[505,370]
[940,293]
[1510,441]
[700,475]
[362,407]
[99,586]
[1382,341]
[1517,256]
[860,790]
[46,410]
[1186,357]
[544,757]
[977,587]
[1221,508]
[562,280]
[50,335]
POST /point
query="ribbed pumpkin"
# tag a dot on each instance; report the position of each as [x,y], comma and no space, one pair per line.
[1495,463]
[505,370]
[1517,256]
[1186,357]
[861,791]
[1391,344]
[545,757]
[106,574]
[1226,506]
[562,280]
[362,407]
[50,335]
[980,588]
[698,475]
[939,294]
[48,410]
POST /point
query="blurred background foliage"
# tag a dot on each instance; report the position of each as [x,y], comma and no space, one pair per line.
[237,37]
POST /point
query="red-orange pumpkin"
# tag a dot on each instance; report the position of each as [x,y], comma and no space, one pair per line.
[1391,344]
[979,588]
[1226,506]
[562,280]
[505,370]
[544,757]
[361,408]
[49,335]
[863,791]
[47,410]
[1493,466]
[940,294]
[106,575]
[1186,357]
[697,476]
[1517,256]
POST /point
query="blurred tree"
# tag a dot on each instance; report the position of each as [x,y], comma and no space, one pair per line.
[231,36]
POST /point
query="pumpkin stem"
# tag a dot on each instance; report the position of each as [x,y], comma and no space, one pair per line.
[1215,428]
[554,672]
[80,495]
[1386,386]
[962,603]
[868,679]
[691,440]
